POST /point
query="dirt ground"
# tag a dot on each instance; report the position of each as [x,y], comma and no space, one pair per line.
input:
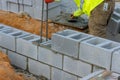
[7,72]
[29,24]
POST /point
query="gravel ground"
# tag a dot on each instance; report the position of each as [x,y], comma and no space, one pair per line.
[29,76]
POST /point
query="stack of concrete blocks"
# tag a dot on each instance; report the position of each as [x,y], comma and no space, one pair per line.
[113,29]
[62,41]
[98,51]
[8,36]
[89,49]
[67,42]
[32,7]
[51,60]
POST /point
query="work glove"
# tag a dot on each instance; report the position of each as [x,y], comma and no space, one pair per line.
[78,13]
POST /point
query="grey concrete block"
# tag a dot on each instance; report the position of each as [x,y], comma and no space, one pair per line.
[7,40]
[4,5]
[55,11]
[115,61]
[68,42]
[61,75]
[76,67]
[3,27]
[29,10]
[21,7]
[0,5]
[18,60]
[13,7]
[26,47]
[98,51]
[114,21]
[47,56]
[38,68]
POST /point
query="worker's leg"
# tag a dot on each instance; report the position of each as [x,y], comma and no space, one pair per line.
[99,19]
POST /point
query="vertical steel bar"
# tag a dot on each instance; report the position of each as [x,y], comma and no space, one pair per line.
[41,29]
[46,21]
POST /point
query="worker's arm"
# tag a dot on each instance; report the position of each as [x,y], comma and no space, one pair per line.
[78,12]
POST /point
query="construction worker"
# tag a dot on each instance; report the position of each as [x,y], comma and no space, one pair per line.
[99,12]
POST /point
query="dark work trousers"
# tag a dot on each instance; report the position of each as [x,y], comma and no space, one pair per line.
[99,18]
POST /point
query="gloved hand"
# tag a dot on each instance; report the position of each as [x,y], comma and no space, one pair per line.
[78,13]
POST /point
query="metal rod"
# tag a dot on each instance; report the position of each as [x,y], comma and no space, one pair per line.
[18,5]
[41,29]
[46,21]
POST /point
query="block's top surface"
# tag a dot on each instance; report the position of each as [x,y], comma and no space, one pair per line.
[111,46]
[66,32]
[95,41]
[80,36]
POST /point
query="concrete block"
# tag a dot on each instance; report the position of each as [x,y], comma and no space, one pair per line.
[21,7]
[49,57]
[61,75]
[26,47]
[76,67]
[4,27]
[113,37]
[0,5]
[55,11]
[29,10]
[115,61]
[18,60]
[68,42]
[7,40]
[8,37]
[38,68]
[28,2]
[20,34]
[13,7]
[4,5]
[114,21]
[98,51]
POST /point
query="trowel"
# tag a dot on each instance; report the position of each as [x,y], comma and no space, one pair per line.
[102,76]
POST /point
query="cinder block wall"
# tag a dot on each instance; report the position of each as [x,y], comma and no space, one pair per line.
[57,60]
[34,7]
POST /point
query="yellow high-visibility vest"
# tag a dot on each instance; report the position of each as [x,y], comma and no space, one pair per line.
[86,6]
